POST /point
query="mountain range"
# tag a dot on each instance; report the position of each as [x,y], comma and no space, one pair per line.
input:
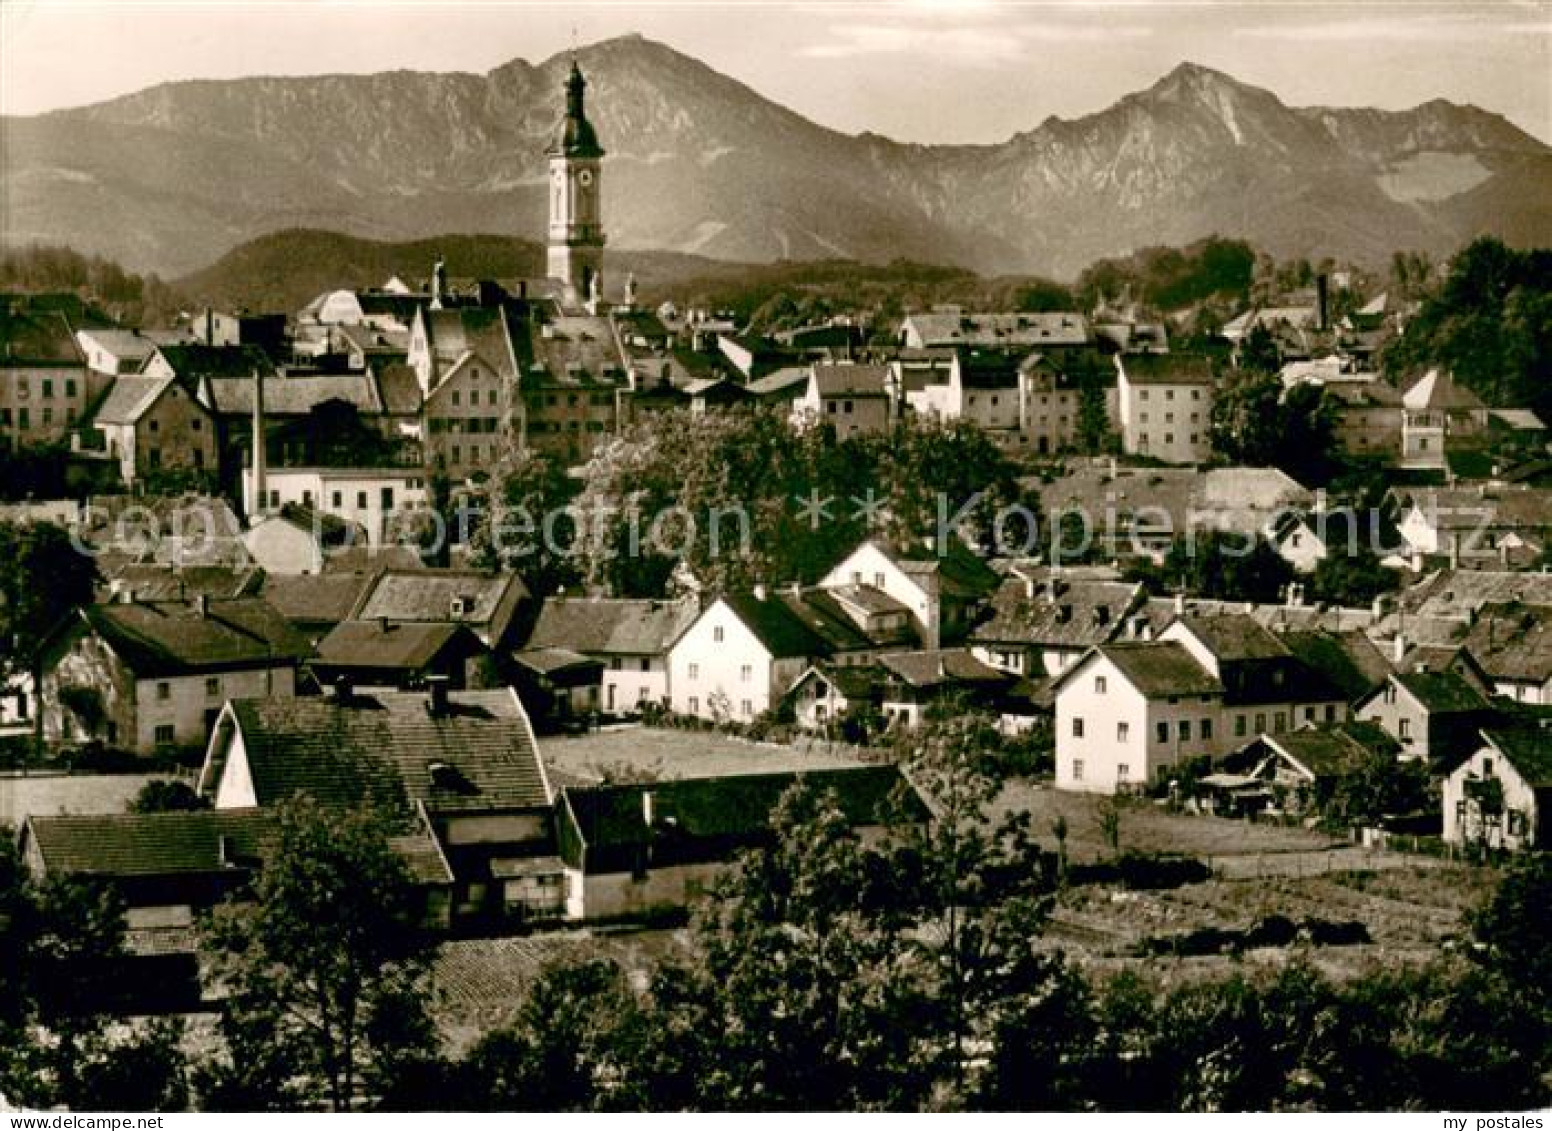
[170,178]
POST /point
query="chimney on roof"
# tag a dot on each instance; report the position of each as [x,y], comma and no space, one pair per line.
[436,695]
[344,694]
[1322,302]
[1398,648]
[382,625]
[760,592]
[647,808]
[127,595]
[202,604]
[1180,604]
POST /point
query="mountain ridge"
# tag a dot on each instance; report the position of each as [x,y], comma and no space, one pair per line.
[170,177]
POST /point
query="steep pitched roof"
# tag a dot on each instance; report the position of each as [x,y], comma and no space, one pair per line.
[1235,636]
[607,626]
[776,625]
[1333,751]
[130,398]
[1442,693]
[295,395]
[388,748]
[1158,669]
[1437,389]
[1527,744]
[174,638]
[36,337]
[1349,661]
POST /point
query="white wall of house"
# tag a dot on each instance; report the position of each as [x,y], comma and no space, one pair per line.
[368,496]
[183,703]
[1101,726]
[631,682]
[1464,823]
[720,660]
[869,565]
[621,895]
[1168,422]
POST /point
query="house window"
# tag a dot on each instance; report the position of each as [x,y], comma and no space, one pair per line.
[213,687]
[1185,730]
[716,634]
[361,500]
[878,581]
[1099,685]
[48,389]
[1260,723]
[1077,769]
[1330,712]
[746,673]
[1389,694]
[1123,771]
[694,704]
[1405,729]
[166,735]
[695,671]
[1279,722]
[70,386]
[1206,730]
[339,500]
[164,691]
[387,498]
[1077,728]
[1309,714]
[646,664]
[747,707]
[1487,767]
[1123,732]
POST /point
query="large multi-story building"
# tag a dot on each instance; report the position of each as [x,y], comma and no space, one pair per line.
[1165,405]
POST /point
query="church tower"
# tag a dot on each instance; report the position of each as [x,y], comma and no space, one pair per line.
[576,242]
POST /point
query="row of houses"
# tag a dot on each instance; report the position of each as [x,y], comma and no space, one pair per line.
[489,838]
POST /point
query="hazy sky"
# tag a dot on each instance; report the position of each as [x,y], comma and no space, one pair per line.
[918,70]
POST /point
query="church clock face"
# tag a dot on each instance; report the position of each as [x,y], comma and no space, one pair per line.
[585,178]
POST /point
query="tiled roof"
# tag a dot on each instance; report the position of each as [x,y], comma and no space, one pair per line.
[1166,368]
[1069,613]
[851,380]
[388,748]
[130,398]
[828,620]
[699,817]
[776,625]
[192,361]
[373,644]
[789,382]
[1442,692]
[939,667]
[488,600]
[40,337]
[1349,661]
[398,387]
[295,396]
[612,627]
[1527,743]
[150,844]
[548,661]
[310,599]
[1030,330]
[1161,668]
[150,581]
[174,638]
[1513,641]
[125,345]
[1235,637]
[122,846]
[1437,389]
[1332,751]
[868,600]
